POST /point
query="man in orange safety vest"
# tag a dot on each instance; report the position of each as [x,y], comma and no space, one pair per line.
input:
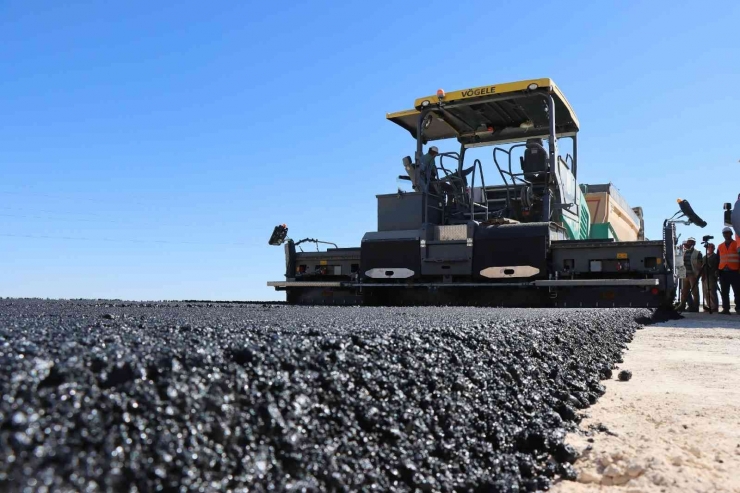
[729,270]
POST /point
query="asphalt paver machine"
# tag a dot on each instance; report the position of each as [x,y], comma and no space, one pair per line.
[535,238]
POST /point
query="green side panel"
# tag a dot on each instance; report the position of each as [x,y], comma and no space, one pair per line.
[585,215]
[603,231]
[580,228]
[569,230]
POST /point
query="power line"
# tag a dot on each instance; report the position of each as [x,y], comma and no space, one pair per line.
[73,213]
[149,207]
[66,197]
[123,240]
[102,219]
[23,216]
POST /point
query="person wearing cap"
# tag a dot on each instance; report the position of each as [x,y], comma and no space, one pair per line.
[729,270]
[427,164]
[680,271]
[428,173]
[709,277]
[692,260]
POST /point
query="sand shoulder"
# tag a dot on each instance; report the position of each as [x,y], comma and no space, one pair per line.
[677,421]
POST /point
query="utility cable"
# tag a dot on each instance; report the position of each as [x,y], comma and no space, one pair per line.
[44,211]
[65,197]
[23,216]
[125,240]
[101,220]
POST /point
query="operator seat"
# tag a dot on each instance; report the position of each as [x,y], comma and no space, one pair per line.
[534,161]
[417,180]
[408,165]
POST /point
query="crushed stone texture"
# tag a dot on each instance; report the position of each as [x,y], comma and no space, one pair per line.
[118,396]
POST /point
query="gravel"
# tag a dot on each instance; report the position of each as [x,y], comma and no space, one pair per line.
[117,396]
[625,375]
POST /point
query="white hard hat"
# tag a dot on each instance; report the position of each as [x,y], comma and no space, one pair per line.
[691,238]
[726,229]
[434,148]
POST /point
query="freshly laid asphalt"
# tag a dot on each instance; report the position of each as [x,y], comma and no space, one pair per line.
[119,396]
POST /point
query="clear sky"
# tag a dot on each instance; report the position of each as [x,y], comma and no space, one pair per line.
[147,149]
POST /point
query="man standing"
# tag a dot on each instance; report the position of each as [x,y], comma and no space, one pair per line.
[729,265]
[690,288]
[710,272]
[680,271]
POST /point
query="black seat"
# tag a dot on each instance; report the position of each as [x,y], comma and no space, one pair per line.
[534,161]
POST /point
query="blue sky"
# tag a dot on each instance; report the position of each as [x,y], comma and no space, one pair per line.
[148,148]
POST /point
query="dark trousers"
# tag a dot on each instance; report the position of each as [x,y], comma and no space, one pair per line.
[690,292]
[709,289]
[729,278]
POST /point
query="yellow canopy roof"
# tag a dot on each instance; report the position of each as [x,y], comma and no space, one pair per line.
[493,114]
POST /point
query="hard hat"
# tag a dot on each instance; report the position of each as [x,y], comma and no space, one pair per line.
[434,148]
[726,229]
[691,238]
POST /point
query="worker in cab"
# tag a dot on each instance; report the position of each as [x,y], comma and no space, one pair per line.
[450,186]
[693,262]
[710,278]
[428,172]
[428,165]
[729,270]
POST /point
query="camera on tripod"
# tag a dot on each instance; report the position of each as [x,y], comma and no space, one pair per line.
[705,240]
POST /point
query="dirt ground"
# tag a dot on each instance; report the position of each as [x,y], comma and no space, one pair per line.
[675,426]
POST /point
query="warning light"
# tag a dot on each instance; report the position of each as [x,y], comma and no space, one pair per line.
[654,291]
[279,235]
[440,93]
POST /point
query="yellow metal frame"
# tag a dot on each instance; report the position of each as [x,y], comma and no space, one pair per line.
[477,92]
[482,92]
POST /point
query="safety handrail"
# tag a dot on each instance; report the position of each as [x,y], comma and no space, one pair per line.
[453,155]
[478,164]
[514,176]
[567,156]
[428,177]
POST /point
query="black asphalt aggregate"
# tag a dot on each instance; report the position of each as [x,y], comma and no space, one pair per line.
[122,396]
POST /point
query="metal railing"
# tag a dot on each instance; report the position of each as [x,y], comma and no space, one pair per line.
[477,165]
